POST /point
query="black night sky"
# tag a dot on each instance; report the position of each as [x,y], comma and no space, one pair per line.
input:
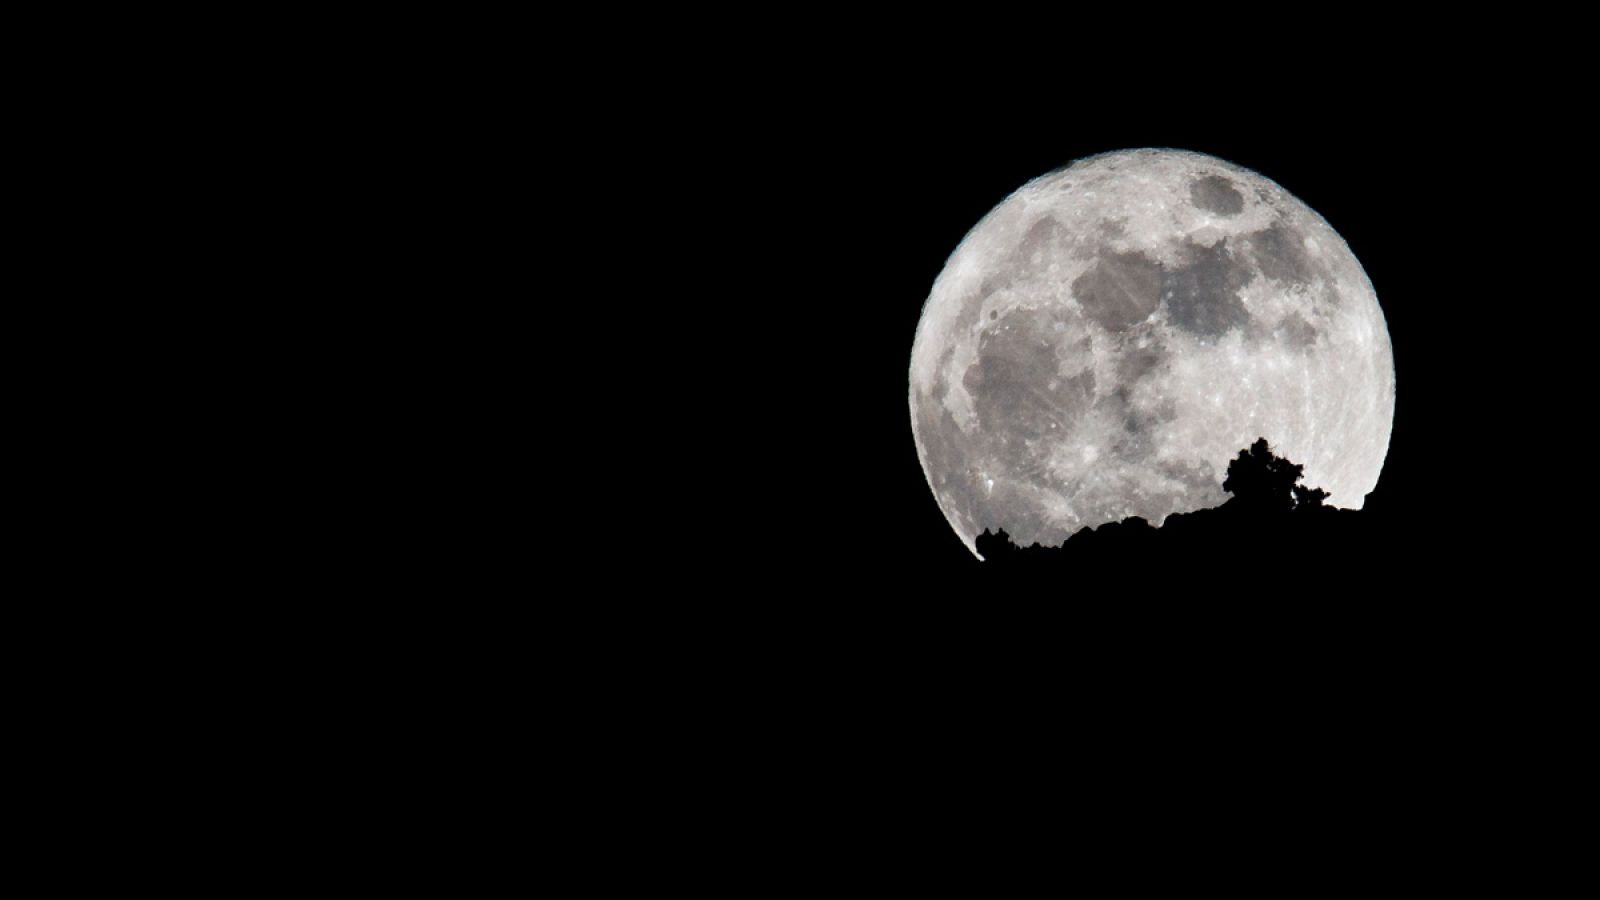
[595,532]
[779,613]
[817,630]
[887,191]
[838,199]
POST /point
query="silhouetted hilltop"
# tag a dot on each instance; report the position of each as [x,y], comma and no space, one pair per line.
[1272,527]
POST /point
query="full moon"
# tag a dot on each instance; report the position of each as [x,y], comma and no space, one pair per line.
[1104,341]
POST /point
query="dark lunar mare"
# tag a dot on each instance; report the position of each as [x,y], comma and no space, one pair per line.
[1295,331]
[1119,290]
[1280,254]
[1216,194]
[1018,390]
[1203,293]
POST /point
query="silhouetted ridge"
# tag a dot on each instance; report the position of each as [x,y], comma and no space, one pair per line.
[1271,524]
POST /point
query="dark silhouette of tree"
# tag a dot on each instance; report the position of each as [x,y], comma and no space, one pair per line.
[1306,498]
[1262,481]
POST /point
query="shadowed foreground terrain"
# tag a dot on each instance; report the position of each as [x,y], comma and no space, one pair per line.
[1274,532]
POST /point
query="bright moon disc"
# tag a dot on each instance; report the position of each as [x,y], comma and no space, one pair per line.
[1106,339]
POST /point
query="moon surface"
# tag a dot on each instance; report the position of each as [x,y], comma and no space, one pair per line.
[1105,340]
